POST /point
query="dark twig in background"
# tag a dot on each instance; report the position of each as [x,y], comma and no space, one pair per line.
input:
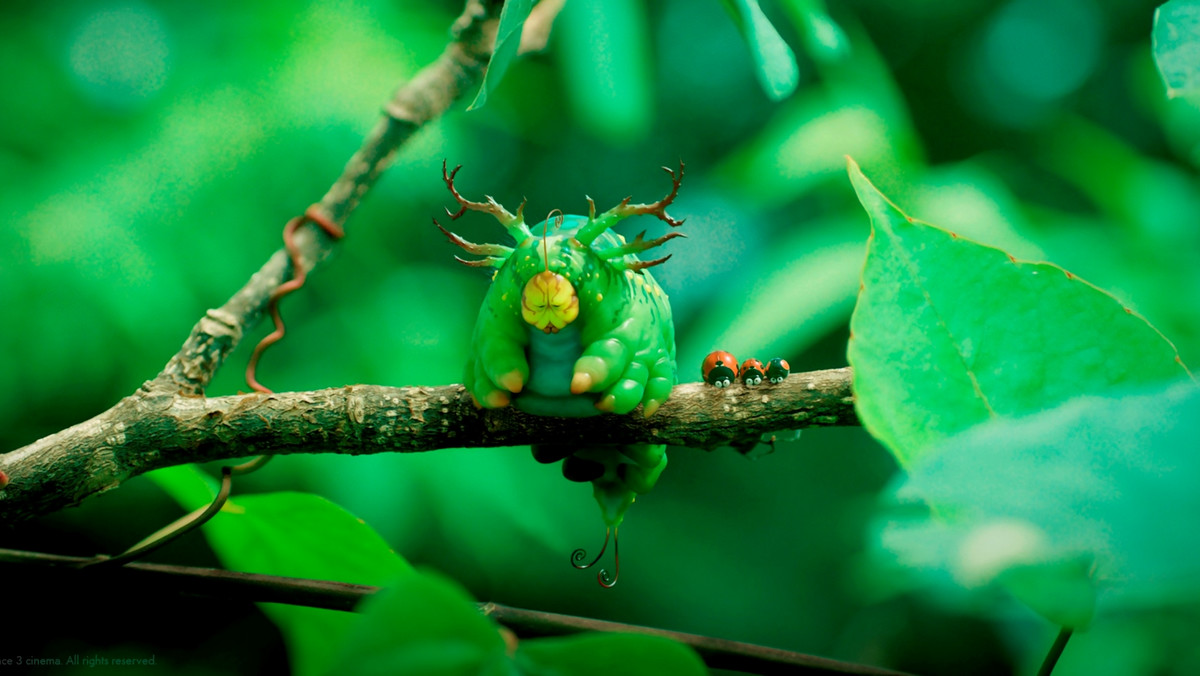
[248,587]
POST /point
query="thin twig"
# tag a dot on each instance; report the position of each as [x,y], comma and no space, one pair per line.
[1056,651]
[717,653]
[248,587]
[154,431]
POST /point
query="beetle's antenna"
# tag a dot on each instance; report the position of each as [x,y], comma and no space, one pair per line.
[579,555]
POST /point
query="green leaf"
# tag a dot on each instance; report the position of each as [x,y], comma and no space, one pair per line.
[427,624]
[302,535]
[602,654]
[423,624]
[824,39]
[294,535]
[508,40]
[775,63]
[1176,39]
[1087,499]
[948,333]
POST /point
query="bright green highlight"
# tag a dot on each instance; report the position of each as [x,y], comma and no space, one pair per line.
[948,333]
[1074,509]
[1176,40]
[775,64]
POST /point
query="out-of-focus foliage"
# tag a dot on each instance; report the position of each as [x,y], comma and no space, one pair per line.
[1062,505]
[1177,45]
[508,40]
[774,61]
[290,534]
[425,624]
[947,334]
[151,153]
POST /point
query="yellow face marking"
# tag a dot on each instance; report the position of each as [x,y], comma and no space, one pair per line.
[549,302]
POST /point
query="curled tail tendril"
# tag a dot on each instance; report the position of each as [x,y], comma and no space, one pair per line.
[603,577]
[580,555]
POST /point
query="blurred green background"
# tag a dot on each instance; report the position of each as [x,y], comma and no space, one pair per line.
[150,153]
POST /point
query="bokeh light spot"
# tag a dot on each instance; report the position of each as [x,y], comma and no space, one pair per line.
[120,56]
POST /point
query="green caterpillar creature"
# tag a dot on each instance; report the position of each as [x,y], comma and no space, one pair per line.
[573,325]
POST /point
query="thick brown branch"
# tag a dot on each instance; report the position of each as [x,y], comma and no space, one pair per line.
[148,431]
[227,585]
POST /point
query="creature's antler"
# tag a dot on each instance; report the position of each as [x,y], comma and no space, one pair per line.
[638,245]
[514,224]
[598,224]
[496,253]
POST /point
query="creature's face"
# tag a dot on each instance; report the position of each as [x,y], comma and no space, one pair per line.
[549,300]
[552,272]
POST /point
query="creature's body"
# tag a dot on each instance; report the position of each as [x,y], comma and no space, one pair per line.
[572,326]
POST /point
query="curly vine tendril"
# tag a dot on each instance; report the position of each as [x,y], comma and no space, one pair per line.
[580,555]
[602,577]
[606,579]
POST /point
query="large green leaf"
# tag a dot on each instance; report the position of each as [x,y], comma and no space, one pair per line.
[1176,39]
[1096,496]
[508,40]
[948,333]
[775,64]
[426,624]
[602,654]
[423,624]
[296,535]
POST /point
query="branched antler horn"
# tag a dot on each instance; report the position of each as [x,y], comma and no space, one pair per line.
[598,224]
[638,245]
[515,224]
[496,253]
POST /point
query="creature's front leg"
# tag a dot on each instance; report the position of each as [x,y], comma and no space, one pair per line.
[497,366]
[628,363]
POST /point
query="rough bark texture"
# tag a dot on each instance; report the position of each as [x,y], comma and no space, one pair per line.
[150,430]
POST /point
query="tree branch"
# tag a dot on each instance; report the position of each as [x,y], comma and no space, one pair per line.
[152,430]
[55,472]
[250,587]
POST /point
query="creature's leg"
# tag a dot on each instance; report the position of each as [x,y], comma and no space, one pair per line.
[603,361]
[503,358]
[658,388]
[626,393]
[482,389]
[640,479]
[548,453]
[645,455]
